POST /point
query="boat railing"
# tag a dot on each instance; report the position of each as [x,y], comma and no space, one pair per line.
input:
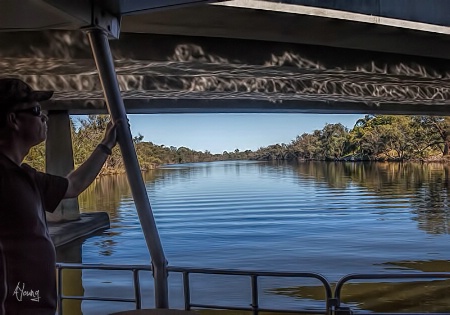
[136,284]
[253,277]
[332,298]
[186,275]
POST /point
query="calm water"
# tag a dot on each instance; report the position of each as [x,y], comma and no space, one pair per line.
[329,218]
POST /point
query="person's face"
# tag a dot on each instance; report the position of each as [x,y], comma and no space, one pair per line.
[32,121]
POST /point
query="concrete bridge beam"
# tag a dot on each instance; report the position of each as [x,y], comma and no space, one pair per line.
[430,11]
[59,161]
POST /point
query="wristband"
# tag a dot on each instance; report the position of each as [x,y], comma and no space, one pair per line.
[104,149]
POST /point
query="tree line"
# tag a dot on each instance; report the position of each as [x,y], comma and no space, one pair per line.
[88,133]
[374,137]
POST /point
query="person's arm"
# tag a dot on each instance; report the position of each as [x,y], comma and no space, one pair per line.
[84,175]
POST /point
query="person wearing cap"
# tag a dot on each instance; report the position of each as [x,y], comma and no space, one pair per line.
[27,253]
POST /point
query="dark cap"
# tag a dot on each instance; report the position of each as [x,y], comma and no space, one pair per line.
[14,91]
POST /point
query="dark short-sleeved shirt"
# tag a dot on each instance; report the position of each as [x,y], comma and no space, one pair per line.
[27,253]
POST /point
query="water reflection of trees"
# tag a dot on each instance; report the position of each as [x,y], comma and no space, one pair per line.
[425,185]
[105,194]
[432,204]
[335,175]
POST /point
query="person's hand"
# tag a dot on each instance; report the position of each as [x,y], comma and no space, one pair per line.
[110,138]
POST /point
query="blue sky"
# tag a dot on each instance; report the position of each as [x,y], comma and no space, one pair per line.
[220,132]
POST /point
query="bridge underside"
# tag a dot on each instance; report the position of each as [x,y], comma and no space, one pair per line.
[182,74]
[239,56]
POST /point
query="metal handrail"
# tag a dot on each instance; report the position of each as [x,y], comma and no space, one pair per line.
[134,268]
[254,275]
[333,299]
[186,272]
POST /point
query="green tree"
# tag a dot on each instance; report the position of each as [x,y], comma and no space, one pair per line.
[440,131]
[333,141]
[306,146]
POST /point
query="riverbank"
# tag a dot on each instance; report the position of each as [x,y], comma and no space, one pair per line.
[350,158]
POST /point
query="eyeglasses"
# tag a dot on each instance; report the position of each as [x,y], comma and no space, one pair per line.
[35,111]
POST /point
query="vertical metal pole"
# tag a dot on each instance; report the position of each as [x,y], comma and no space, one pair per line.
[137,289]
[187,291]
[105,65]
[60,291]
[255,304]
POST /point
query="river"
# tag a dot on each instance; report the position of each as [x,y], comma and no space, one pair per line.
[332,218]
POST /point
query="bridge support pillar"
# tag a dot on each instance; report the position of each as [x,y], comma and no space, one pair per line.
[59,161]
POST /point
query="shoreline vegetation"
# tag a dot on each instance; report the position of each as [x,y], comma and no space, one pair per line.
[373,138]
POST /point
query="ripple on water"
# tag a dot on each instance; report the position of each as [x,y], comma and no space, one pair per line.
[293,217]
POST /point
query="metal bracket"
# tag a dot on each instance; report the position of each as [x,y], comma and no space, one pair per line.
[343,311]
[333,302]
[106,21]
[334,305]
